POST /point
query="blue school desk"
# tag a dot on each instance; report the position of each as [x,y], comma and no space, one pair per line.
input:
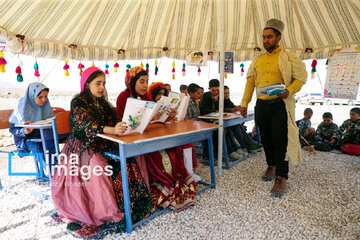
[159,136]
[230,119]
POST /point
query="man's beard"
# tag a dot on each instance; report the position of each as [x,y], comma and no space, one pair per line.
[270,47]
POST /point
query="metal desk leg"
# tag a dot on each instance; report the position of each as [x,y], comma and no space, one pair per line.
[125,184]
[225,152]
[44,150]
[211,158]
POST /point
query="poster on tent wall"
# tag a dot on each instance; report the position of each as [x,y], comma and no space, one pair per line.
[343,74]
[196,58]
[228,63]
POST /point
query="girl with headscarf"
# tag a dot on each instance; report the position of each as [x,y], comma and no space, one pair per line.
[35,106]
[92,203]
[171,185]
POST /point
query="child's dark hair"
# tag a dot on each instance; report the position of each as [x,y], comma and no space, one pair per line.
[214,83]
[327,115]
[156,91]
[133,82]
[193,87]
[308,110]
[202,88]
[183,87]
[355,110]
[226,87]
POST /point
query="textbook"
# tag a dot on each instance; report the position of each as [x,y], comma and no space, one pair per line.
[138,114]
[165,104]
[182,107]
[43,122]
[271,90]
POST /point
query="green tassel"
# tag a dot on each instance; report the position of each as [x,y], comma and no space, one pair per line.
[313,69]
[20,78]
[327,62]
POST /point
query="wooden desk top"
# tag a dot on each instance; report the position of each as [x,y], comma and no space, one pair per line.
[155,131]
[227,116]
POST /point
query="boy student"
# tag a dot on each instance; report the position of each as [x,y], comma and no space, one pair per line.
[208,105]
[193,111]
[348,135]
[201,93]
[168,87]
[305,129]
[325,136]
[247,144]
[183,89]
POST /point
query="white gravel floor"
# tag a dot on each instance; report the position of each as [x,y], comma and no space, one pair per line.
[322,202]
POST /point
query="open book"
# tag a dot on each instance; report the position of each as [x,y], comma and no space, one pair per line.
[183,106]
[43,122]
[138,114]
[271,90]
[166,103]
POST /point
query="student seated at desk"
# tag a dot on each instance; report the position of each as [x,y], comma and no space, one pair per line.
[35,106]
[348,134]
[170,170]
[239,132]
[208,105]
[305,129]
[87,185]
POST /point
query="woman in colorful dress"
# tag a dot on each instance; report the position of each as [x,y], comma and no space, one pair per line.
[171,184]
[87,186]
[35,106]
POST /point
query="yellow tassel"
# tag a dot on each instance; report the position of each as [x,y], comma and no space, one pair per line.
[2,68]
[173,77]
[225,76]
[115,69]
[66,73]
[141,65]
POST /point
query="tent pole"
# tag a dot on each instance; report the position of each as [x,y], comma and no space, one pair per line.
[221,97]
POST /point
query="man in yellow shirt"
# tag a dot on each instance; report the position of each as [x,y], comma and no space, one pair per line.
[274,114]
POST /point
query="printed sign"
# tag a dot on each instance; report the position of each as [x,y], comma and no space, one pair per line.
[343,75]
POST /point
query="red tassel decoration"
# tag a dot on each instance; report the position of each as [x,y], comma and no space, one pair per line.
[199,71]
[313,69]
[36,67]
[81,67]
[107,69]
[147,67]
[116,65]
[66,68]
[19,73]
[3,62]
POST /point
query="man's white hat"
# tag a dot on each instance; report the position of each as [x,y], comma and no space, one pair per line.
[275,24]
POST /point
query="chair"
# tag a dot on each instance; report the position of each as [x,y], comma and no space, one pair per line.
[61,130]
[57,110]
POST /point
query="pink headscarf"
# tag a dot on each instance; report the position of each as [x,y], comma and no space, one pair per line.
[86,74]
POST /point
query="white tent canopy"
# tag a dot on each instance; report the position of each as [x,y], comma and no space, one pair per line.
[144,29]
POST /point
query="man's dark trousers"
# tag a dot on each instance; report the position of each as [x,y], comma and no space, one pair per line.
[271,118]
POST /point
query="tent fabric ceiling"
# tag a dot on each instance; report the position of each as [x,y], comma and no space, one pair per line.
[102,29]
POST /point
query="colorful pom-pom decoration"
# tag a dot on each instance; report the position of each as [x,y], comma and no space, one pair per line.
[128,67]
[116,65]
[199,71]
[66,68]
[93,64]
[183,69]
[156,67]
[313,69]
[173,70]
[18,72]
[106,69]
[242,69]
[81,67]
[3,62]
[225,75]
[147,67]
[141,65]
[36,67]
